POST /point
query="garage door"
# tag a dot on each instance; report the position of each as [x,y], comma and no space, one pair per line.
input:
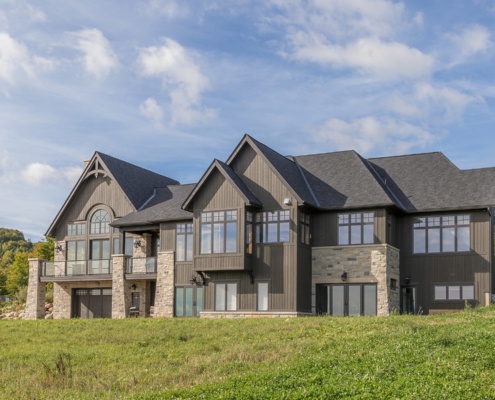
[92,303]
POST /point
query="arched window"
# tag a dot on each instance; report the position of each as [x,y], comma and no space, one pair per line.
[99,223]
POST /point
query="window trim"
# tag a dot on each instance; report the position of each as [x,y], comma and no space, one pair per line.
[186,231]
[211,219]
[272,219]
[422,224]
[258,299]
[304,228]
[346,220]
[223,306]
[448,286]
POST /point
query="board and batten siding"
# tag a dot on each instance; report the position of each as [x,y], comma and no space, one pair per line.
[94,191]
[427,270]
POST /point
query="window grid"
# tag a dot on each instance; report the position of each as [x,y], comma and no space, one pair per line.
[356,228]
[273,226]
[99,223]
[441,234]
[219,232]
[184,242]
[76,229]
[453,292]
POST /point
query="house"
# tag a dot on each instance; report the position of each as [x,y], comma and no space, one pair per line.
[263,234]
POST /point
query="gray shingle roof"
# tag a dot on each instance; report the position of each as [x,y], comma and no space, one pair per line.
[343,180]
[164,205]
[432,182]
[136,182]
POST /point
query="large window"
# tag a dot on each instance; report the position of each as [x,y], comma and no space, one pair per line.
[76,257]
[304,228]
[454,292]
[184,242]
[249,232]
[226,296]
[273,226]
[356,228]
[129,243]
[262,296]
[346,299]
[99,223]
[441,234]
[219,232]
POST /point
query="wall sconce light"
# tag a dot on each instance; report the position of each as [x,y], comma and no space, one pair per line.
[133,287]
[59,248]
[287,201]
[343,276]
[407,279]
[193,280]
[137,244]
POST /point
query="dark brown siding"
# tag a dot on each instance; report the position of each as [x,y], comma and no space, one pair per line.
[183,273]
[304,278]
[427,270]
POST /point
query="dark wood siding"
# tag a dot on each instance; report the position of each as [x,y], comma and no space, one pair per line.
[427,270]
[304,275]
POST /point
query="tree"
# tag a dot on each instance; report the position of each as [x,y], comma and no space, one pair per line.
[44,250]
[18,273]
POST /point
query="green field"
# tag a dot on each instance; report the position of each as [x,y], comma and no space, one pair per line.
[399,357]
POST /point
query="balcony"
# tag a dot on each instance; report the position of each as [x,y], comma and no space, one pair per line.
[141,265]
[70,270]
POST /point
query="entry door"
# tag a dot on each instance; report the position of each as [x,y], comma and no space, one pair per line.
[188,301]
[346,299]
[92,303]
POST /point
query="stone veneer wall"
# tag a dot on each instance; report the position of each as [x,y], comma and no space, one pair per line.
[35,302]
[378,263]
[121,294]
[165,287]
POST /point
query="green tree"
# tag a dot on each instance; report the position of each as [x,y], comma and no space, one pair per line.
[44,249]
[18,273]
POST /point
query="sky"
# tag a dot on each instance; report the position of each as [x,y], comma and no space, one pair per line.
[170,85]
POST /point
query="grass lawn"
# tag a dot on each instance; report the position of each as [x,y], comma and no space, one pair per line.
[399,357]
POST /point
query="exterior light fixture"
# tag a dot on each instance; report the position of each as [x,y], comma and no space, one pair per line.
[193,280]
[287,201]
[343,276]
[407,279]
[133,287]
[137,244]
[59,248]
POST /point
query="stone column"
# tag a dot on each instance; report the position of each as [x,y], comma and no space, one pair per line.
[120,291]
[165,285]
[62,300]
[35,302]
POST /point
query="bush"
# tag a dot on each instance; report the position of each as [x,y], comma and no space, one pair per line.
[21,295]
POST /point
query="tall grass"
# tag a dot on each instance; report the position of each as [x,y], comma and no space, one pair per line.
[448,356]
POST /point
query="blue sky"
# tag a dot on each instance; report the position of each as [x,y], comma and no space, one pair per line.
[170,85]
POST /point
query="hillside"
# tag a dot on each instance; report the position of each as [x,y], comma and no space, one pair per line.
[407,357]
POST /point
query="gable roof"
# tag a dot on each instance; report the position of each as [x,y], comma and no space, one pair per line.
[285,168]
[164,205]
[229,174]
[136,183]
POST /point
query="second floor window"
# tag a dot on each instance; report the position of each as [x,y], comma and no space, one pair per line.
[219,232]
[77,229]
[356,228]
[441,234]
[99,223]
[273,226]
[184,242]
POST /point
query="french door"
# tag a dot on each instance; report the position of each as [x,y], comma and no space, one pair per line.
[188,301]
[346,299]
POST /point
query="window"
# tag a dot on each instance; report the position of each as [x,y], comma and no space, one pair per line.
[76,256]
[226,296]
[356,228]
[346,299]
[273,226]
[219,232]
[454,292]
[262,296]
[99,223]
[78,229]
[441,234]
[129,243]
[304,228]
[184,242]
[249,232]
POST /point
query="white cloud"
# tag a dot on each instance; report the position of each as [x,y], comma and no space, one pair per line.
[169,8]
[470,41]
[16,62]
[181,76]
[370,134]
[99,59]
[352,34]
[38,174]
[152,110]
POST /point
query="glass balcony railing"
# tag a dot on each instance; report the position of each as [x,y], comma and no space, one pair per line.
[72,268]
[142,265]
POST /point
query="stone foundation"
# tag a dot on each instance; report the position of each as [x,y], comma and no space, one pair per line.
[121,290]
[363,264]
[35,302]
